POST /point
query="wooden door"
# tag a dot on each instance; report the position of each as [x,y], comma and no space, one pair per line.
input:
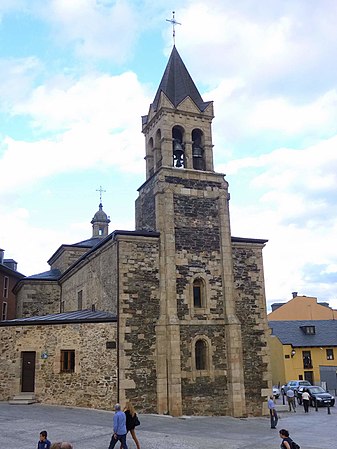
[28,371]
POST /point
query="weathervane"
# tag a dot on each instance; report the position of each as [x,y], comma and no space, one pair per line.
[100,190]
[174,23]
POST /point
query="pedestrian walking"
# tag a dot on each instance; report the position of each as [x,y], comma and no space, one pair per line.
[132,422]
[306,400]
[287,442]
[273,413]
[291,399]
[119,427]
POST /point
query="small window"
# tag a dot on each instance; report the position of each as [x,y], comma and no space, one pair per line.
[4,311]
[198,294]
[80,300]
[200,355]
[100,231]
[68,361]
[308,330]
[329,354]
[6,283]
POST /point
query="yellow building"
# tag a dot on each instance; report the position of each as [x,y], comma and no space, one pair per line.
[302,308]
[304,349]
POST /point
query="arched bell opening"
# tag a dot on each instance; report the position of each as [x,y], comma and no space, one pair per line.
[157,150]
[198,153]
[178,147]
[150,157]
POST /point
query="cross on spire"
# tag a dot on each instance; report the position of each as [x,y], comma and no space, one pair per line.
[100,190]
[174,23]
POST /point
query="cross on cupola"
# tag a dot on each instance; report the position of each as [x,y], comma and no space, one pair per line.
[100,221]
[100,190]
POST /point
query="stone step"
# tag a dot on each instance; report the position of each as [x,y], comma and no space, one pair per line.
[23,399]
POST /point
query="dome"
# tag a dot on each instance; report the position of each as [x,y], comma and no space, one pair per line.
[100,215]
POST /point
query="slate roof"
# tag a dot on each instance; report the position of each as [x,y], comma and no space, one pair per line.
[50,275]
[290,333]
[77,316]
[89,243]
[5,269]
[177,84]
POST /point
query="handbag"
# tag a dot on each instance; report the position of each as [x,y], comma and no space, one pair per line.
[137,422]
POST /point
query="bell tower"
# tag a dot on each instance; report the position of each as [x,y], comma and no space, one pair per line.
[198,336]
[178,126]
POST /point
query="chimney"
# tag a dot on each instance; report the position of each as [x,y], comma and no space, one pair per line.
[2,253]
[294,294]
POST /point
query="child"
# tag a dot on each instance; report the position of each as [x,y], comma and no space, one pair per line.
[43,442]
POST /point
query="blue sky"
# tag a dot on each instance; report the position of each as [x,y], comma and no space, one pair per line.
[76,76]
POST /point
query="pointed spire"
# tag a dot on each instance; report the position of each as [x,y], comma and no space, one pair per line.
[177,84]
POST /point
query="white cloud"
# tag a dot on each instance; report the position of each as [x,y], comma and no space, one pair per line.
[96,29]
[16,78]
[91,126]
[293,206]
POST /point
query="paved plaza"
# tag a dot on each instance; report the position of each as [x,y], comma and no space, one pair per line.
[91,429]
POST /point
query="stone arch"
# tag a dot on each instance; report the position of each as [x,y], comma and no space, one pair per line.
[199,293]
[202,355]
[198,152]
[157,150]
[150,157]
[178,146]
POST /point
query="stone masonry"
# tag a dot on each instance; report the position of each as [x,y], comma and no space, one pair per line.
[94,382]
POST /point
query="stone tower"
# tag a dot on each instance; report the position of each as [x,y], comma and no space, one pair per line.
[198,335]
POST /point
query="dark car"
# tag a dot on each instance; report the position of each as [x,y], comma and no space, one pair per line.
[318,394]
[294,385]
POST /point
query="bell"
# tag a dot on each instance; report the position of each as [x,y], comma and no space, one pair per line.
[178,154]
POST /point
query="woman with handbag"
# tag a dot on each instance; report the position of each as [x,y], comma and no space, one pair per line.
[132,421]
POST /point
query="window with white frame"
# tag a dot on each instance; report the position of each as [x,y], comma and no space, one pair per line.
[4,311]
[6,287]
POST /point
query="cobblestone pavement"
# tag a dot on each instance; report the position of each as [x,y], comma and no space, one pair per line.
[91,429]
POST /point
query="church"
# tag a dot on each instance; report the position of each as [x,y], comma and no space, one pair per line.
[172,315]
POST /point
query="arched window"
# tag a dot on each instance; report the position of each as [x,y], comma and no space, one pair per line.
[178,147]
[200,355]
[198,293]
[157,150]
[198,150]
[150,157]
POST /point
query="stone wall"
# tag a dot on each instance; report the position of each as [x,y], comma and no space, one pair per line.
[96,277]
[94,382]
[138,315]
[251,311]
[145,208]
[66,256]
[204,393]
[37,298]
[197,243]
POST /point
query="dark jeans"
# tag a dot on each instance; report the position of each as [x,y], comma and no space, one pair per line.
[121,438]
[306,403]
[273,418]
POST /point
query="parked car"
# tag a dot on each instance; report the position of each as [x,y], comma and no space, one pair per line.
[294,385]
[276,392]
[318,394]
